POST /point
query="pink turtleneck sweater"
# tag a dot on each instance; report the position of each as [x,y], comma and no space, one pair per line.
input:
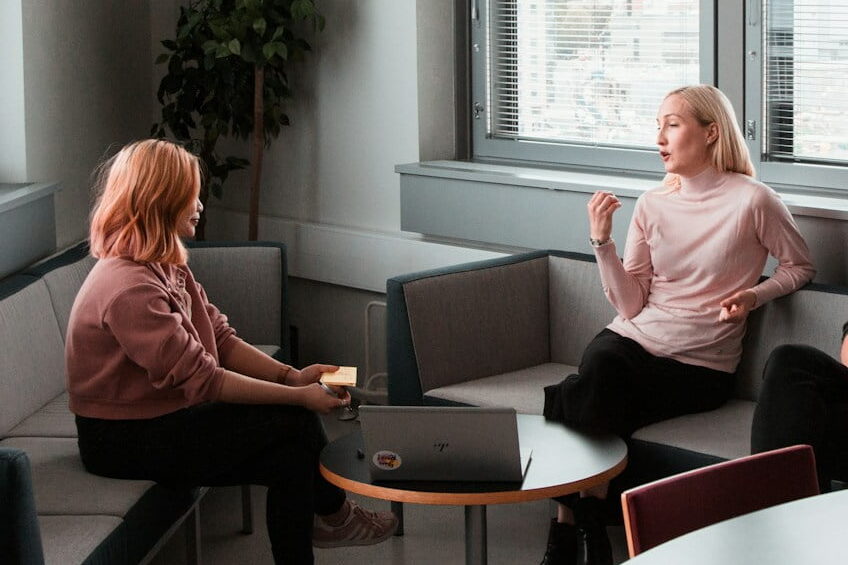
[688,250]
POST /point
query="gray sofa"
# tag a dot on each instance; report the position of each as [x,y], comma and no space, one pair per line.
[51,509]
[497,332]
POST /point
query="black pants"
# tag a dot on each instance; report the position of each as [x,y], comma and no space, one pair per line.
[620,387]
[804,400]
[218,444]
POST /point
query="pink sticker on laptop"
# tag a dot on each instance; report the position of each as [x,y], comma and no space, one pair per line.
[386,460]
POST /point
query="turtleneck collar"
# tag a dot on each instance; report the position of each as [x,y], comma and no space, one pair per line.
[703,182]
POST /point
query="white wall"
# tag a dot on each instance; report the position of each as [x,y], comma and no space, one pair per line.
[329,189]
[87,73]
[354,116]
[12,127]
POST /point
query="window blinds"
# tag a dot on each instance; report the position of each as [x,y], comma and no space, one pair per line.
[805,78]
[587,72]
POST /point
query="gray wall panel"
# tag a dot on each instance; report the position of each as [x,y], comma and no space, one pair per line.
[504,214]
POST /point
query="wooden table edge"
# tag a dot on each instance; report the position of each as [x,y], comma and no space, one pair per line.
[470,498]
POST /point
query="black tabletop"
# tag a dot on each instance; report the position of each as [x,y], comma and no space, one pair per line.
[563,461]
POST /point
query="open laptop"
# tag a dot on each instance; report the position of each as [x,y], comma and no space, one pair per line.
[435,443]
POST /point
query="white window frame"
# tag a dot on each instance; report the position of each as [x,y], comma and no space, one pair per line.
[824,179]
[731,53]
[571,156]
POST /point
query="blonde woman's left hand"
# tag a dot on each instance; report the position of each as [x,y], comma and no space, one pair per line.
[735,308]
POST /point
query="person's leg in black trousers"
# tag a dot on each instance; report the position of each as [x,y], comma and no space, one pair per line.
[219,444]
[804,400]
[619,388]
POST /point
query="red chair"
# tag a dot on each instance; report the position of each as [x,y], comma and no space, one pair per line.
[662,510]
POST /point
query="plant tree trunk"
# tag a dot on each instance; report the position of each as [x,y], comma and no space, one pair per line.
[257,150]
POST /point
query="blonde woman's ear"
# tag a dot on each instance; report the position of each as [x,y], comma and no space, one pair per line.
[713,134]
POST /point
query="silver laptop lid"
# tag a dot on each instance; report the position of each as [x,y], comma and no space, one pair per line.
[435,443]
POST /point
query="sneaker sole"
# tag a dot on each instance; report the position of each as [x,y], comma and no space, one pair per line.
[348,543]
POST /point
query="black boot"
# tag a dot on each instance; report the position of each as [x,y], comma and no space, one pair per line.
[589,515]
[562,544]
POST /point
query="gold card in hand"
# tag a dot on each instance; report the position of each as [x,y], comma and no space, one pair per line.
[345,376]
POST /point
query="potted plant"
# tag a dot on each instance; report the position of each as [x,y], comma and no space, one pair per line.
[227,73]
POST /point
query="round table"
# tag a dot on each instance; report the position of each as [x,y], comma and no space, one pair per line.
[808,530]
[563,461]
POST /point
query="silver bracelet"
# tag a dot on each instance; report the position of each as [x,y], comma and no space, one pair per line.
[598,243]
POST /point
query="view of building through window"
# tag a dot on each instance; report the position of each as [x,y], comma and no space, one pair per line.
[806,80]
[590,72]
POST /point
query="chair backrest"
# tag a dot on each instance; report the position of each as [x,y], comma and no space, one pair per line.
[468,323]
[20,535]
[32,354]
[579,309]
[811,316]
[662,510]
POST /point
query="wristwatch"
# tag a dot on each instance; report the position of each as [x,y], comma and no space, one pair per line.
[598,242]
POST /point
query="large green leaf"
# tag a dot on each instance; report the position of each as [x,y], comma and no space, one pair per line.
[207,92]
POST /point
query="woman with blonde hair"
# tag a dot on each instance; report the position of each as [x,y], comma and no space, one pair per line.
[695,250]
[164,390]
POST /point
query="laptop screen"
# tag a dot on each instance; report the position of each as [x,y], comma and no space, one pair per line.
[436,443]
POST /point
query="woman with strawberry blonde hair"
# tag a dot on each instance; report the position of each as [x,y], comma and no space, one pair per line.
[164,390]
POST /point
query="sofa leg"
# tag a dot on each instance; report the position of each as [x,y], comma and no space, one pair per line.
[246,510]
[192,535]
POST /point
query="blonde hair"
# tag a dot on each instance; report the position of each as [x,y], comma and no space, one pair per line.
[709,105]
[145,190]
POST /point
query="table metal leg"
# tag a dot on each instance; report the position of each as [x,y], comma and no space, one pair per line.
[475,535]
[397,509]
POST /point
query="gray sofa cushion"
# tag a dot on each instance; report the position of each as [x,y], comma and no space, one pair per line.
[51,420]
[576,317]
[724,433]
[64,284]
[522,389]
[236,294]
[73,538]
[62,485]
[268,349]
[448,315]
[32,356]
[811,316]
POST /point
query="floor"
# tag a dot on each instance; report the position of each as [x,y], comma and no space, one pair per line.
[433,534]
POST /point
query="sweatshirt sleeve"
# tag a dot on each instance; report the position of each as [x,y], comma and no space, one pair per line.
[778,233]
[152,335]
[627,284]
[225,335]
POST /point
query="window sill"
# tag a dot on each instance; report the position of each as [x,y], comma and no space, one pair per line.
[809,205]
[531,177]
[27,224]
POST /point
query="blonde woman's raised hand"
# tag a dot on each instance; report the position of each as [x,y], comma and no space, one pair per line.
[601,207]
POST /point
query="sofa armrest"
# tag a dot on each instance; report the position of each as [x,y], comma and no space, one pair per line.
[247,281]
[466,322]
[20,537]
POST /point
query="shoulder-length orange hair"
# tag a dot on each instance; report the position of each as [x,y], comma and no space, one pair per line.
[145,190]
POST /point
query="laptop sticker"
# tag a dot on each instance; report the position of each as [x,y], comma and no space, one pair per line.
[387,460]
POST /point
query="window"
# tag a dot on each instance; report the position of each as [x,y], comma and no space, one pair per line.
[576,83]
[804,77]
[564,81]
